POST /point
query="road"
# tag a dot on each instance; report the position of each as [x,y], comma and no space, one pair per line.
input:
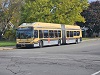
[73,59]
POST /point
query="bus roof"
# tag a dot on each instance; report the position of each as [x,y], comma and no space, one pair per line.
[48,25]
[72,27]
[41,24]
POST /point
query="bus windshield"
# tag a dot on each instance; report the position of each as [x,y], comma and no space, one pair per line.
[24,33]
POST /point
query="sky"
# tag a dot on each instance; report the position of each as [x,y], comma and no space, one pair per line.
[92,0]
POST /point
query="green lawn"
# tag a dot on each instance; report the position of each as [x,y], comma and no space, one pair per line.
[89,38]
[7,43]
[85,38]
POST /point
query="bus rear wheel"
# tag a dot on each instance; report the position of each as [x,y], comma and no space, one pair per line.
[59,42]
[41,44]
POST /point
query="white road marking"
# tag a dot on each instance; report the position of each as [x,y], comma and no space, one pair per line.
[96,73]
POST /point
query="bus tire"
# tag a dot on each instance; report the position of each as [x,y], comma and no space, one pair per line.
[59,42]
[80,39]
[76,42]
[32,46]
[41,44]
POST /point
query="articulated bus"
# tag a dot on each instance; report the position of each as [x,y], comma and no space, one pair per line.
[43,34]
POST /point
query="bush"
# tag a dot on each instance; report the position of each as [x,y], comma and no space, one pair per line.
[10,35]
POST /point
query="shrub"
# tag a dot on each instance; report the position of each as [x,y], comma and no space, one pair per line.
[10,35]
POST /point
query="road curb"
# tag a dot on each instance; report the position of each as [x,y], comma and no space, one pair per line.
[91,40]
[7,48]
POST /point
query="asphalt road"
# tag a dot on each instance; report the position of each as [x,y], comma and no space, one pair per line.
[74,59]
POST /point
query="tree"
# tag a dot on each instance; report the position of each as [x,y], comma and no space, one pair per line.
[56,11]
[9,14]
[92,17]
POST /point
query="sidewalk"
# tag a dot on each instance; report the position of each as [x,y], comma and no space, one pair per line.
[8,48]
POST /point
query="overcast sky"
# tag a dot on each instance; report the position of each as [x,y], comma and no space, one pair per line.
[92,0]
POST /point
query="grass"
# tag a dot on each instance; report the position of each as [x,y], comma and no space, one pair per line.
[7,43]
[85,38]
[90,38]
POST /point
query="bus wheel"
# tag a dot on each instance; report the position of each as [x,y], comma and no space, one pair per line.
[59,42]
[32,46]
[41,44]
[76,41]
[80,39]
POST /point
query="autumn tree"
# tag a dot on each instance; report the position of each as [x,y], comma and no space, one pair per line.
[9,11]
[9,14]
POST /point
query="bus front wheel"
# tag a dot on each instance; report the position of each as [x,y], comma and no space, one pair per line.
[41,44]
[76,41]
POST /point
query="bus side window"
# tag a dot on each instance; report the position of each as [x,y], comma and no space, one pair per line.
[45,33]
[55,33]
[78,33]
[40,34]
[59,33]
[51,34]
[67,33]
[35,33]
[75,33]
[71,33]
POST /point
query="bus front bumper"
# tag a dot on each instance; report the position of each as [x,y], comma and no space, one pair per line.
[24,45]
